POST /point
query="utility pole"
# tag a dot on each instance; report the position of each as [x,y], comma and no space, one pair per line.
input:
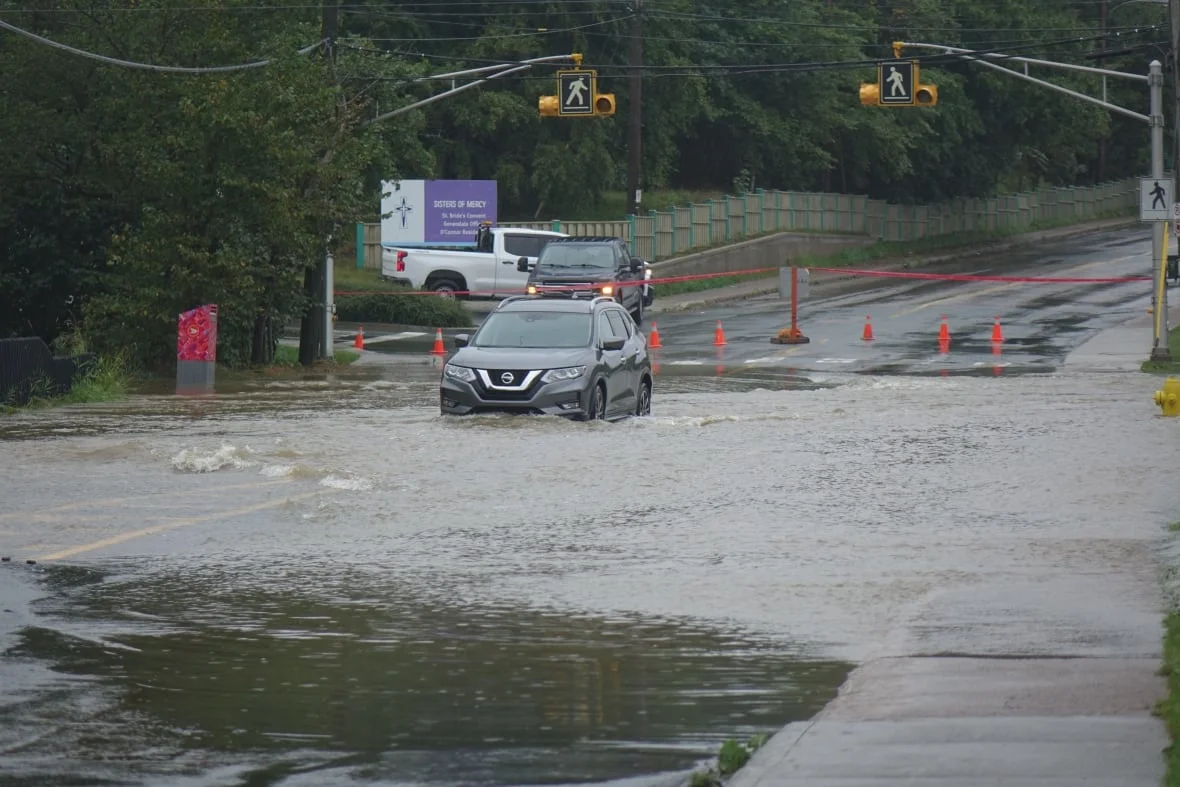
[635,111]
[1102,13]
[315,333]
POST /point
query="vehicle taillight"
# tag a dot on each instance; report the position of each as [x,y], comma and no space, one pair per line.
[401,261]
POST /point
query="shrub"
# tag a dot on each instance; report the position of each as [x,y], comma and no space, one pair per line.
[423,310]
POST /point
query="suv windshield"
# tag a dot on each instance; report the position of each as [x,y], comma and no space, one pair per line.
[534,329]
[564,256]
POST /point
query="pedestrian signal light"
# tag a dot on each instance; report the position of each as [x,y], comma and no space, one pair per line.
[548,106]
[870,94]
[604,104]
[926,95]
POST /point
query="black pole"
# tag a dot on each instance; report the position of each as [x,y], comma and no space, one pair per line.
[635,111]
[313,342]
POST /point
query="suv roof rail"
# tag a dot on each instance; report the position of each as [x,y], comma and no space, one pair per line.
[606,298]
[512,298]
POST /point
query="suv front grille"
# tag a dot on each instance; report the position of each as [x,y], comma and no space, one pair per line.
[494,384]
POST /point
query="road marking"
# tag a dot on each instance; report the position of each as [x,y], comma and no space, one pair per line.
[393,337]
[1000,288]
[175,523]
[110,501]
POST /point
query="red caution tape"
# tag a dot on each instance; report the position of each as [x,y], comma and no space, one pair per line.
[973,277]
[962,277]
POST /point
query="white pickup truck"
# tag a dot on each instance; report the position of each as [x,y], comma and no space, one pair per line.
[488,267]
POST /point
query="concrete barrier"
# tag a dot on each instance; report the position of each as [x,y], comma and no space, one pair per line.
[770,251]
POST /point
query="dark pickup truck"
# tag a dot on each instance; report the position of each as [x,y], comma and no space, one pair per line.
[587,266]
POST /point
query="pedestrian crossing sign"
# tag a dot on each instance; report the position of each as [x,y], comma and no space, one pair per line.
[895,82]
[576,90]
[1155,199]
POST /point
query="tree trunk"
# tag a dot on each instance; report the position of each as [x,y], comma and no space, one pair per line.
[265,340]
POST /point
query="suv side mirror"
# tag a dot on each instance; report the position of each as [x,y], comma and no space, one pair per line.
[462,339]
[613,344]
[522,264]
[636,265]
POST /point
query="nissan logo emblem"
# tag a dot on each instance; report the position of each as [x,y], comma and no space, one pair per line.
[506,378]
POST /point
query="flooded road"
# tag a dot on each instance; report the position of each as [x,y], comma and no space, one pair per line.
[323,582]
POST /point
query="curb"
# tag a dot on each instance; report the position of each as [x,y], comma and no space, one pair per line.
[1031,239]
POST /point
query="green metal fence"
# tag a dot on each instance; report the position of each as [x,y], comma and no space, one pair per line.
[660,235]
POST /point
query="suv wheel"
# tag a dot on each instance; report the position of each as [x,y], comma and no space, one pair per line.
[596,410]
[637,315]
[643,399]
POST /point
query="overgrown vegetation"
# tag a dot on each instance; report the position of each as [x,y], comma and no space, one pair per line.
[135,194]
[107,380]
[731,758]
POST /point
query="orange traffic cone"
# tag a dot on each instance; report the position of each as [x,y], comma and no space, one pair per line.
[359,341]
[944,334]
[718,335]
[653,341]
[944,345]
[868,334]
[439,347]
[997,334]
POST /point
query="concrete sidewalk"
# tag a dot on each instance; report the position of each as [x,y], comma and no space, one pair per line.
[1043,680]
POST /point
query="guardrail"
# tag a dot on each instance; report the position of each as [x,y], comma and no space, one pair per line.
[661,235]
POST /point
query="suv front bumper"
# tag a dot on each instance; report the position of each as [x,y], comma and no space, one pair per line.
[565,398]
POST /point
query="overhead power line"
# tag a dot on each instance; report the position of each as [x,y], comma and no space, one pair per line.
[114,61]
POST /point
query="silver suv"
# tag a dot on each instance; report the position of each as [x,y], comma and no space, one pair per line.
[584,359]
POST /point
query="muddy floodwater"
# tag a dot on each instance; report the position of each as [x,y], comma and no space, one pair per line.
[322,582]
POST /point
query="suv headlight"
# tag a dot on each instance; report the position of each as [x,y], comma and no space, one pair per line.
[568,373]
[459,373]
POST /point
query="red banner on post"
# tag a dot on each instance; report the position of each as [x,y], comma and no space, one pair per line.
[196,334]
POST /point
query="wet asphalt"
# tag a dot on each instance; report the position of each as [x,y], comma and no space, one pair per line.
[315,579]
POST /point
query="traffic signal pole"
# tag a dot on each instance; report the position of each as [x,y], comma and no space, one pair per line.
[503,69]
[1155,82]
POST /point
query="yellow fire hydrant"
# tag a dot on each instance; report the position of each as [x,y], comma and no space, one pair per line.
[1169,398]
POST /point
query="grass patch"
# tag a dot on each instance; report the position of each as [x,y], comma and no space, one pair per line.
[1169,708]
[882,252]
[1166,367]
[700,285]
[285,363]
[900,251]
[380,303]
[289,356]
[731,758]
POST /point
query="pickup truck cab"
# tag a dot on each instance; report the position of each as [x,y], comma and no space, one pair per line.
[487,269]
[590,266]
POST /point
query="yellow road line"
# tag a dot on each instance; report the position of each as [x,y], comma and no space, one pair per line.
[175,523]
[110,501]
[1001,287]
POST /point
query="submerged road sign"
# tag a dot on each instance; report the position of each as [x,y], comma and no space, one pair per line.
[1155,199]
